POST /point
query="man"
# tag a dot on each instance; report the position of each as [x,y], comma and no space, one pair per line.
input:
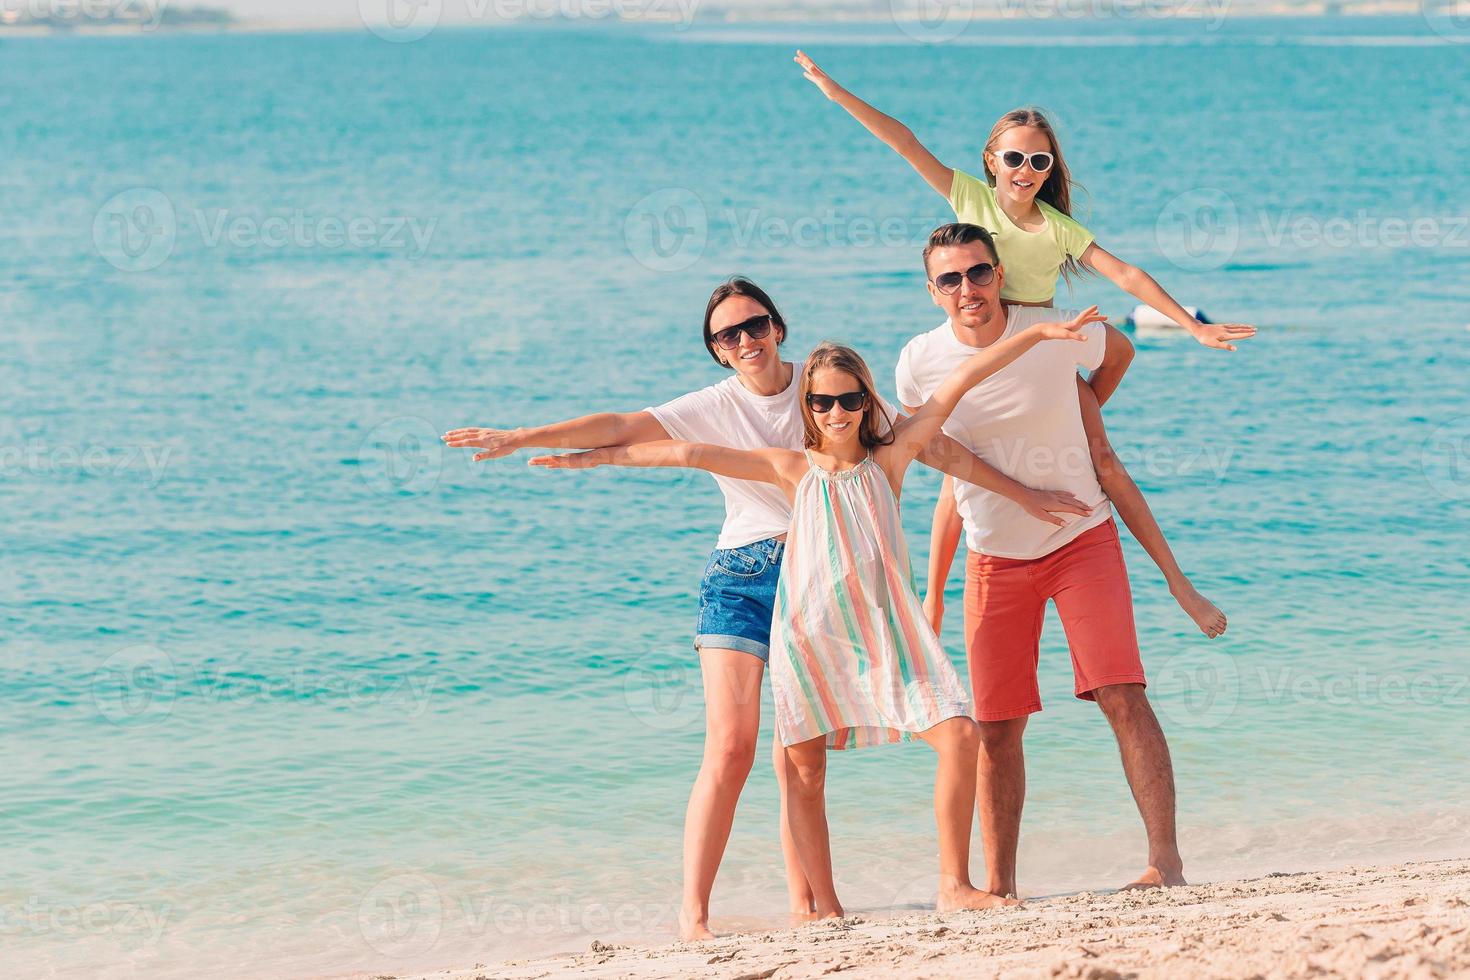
[1026,421]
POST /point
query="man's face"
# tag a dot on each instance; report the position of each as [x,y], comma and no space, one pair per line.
[968,305]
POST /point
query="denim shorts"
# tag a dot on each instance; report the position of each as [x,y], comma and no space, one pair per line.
[737,597]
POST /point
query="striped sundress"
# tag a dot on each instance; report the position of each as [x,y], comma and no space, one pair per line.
[852,656]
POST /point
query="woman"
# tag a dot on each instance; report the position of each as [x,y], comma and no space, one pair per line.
[756,408]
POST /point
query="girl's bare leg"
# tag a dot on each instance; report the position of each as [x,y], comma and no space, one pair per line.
[806,777]
[732,687]
[1134,510]
[957,740]
[799,893]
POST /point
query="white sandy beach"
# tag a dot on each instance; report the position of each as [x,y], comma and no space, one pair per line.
[1410,920]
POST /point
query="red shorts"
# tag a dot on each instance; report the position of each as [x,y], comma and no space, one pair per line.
[1005,600]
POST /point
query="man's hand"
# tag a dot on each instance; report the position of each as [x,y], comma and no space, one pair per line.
[934,611]
[1045,505]
[495,442]
[1220,335]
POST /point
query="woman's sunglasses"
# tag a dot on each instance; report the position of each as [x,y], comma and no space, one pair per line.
[850,401]
[979,274]
[757,327]
[1041,161]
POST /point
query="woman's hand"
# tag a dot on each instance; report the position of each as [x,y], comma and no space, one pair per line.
[570,461]
[1220,335]
[1045,505]
[816,76]
[1072,329]
[495,442]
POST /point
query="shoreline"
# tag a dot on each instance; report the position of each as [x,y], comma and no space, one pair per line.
[1404,920]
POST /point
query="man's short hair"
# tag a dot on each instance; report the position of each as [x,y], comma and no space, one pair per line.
[959,233]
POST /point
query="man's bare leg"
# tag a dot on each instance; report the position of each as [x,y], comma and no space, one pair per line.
[1000,794]
[1150,775]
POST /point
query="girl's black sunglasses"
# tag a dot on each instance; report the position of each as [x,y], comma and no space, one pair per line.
[850,401]
[757,326]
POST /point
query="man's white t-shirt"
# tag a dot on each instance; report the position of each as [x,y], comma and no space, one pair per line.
[730,414]
[1024,420]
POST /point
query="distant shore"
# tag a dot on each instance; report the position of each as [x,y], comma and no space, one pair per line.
[1409,920]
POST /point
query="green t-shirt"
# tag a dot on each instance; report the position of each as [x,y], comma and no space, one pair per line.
[1032,259]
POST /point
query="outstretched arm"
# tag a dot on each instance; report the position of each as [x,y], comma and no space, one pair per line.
[914,433]
[1117,355]
[954,460]
[1139,284]
[587,432]
[757,465]
[892,132]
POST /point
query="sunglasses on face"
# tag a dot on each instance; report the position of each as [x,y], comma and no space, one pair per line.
[979,274]
[850,401]
[758,327]
[1040,161]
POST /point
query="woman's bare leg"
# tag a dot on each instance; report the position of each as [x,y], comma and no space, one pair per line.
[1134,510]
[806,777]
[957,741]
[732,687]
[799,893]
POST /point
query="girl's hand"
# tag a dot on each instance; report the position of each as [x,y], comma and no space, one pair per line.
[1072,329]
[495,442]
[570,461]
[1220,335]
[816,76]
[1045,505]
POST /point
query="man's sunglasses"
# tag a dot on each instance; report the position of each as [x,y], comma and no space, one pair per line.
[850,401]
[979,274]
[757,327]
[1040,161]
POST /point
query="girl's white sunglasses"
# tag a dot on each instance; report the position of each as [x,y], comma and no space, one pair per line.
[1040,161]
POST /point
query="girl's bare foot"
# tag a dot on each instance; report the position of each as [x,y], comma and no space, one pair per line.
[1206,615]
[1154,878]
[693,928]
[953,898]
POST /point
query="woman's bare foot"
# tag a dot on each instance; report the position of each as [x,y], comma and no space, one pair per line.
[1154,878]
[693,928]
[1206,615]
[953,898]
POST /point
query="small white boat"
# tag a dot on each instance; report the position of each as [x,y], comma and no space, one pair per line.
[1146,319]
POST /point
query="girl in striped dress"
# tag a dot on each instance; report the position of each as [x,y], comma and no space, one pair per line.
[854,662]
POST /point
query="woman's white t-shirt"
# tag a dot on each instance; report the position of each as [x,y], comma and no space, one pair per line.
[729,414]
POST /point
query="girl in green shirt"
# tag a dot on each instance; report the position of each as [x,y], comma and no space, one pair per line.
[1024,200]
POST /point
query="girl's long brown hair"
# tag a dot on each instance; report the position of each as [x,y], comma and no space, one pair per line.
[1056,190]
[841,358]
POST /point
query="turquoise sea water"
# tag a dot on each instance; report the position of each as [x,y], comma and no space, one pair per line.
[286,689]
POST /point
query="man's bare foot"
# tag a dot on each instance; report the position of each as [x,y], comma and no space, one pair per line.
[953,898]
[693,928]
[1206,615]
[1154,878]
